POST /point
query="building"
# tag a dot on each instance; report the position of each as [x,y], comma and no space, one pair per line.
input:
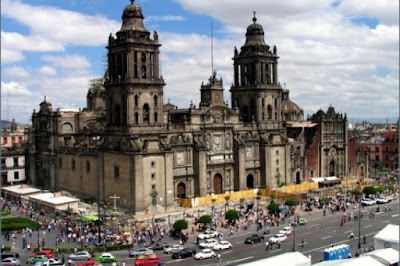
[13,155]
[128,142]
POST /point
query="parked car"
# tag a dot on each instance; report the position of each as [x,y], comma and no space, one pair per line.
[90,262]
[49,262]
[149,259]
[184,253]
[80,255]
[368,202]
[287,230]
[172,248]
[208,234]
[205,254]
[139,251]
[254,238]
[37,258]
[302,221]
[10,254]
[209,243]
[10,262]
[106,258]
[383,200]
[223,244]
[46,252]
[157,246]
[278,238]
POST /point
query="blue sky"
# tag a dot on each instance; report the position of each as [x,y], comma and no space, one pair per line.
[339,53]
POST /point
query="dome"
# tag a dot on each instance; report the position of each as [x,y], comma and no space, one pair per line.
[132,18]
[289,110]
[255,33]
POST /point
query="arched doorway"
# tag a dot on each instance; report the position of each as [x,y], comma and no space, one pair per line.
[218,184]
[250,181]
[297,177]
[361,173]
[332,168]
[181,190]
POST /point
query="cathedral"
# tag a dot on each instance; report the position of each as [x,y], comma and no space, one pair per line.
[128,142]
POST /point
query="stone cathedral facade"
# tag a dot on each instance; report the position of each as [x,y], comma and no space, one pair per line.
[128,142]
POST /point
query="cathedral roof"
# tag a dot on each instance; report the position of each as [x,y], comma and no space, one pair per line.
[287,106]
[132,18]
[255,33]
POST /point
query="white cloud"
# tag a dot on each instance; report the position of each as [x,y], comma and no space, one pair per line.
[16,73]
[48,71]
[10,56]
[67,61]
[14,89]
[16,41]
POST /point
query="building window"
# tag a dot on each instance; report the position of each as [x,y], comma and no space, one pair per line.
[376,149]
[376,157]
[312,173]
[387,149]
[16,175]
[116,171]
[153,200]
[277,161]
[73,164]
[67,128]
[277,152]
[12,140]
[60,162]
[5,140]
[15,161]
[87,166]
[153,164]
[153,187]
[20,140]
[3,163]
[153,176]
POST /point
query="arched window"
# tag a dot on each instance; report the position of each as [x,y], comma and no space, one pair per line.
[143,72]
[67,128]
[276,102]
[136,118]
[262,103]
[269,112]
[155,100]
[136,101]
[146,114]
[155,117]
[263,116]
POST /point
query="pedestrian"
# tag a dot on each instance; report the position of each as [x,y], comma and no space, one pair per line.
[302,243]
[279,244]
[231,232]
[352,235]
[219,258]
[365,239]
[267,245]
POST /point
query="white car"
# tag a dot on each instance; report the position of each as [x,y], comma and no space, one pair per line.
[49,262]
[11,261]
[168,249]
[209,243]
[80,255]
[208,234]
[278,238]
[223,244]
[287,230]
[205,254]
[383,200]
[368,202]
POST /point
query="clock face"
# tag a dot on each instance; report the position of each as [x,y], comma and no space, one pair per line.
[217,98]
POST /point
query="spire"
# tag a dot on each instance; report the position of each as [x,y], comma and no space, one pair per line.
[132,2]
[254,17]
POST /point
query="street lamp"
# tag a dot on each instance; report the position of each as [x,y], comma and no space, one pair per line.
[359,224]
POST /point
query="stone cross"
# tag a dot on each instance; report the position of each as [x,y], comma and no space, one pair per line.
[115,201]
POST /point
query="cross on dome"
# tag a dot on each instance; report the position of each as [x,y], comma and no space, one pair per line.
[254,18]
[132,2]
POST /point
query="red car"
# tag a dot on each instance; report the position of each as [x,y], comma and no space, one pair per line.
[150,259]
[90,263]
[47,252]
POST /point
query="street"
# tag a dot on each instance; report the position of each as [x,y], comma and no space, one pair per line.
[319,233]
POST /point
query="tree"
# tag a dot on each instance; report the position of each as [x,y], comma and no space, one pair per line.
[370,190]
[180,225]
[232,216]
[273,207]
[326,200]
[205,219]
[392,188]
[291,202]
[380,189]
[357,192]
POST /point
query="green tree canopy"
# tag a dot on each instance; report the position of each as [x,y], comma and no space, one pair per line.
[180,225]
[380,189]
[392,187]
[326,200]
[231,215]
[369,190]
[273,207]
[291,202]
[205,219]
[357,192]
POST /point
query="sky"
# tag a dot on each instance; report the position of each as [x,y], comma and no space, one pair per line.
[340,53]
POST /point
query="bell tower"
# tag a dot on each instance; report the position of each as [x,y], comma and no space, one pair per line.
[134,87]
[256,91]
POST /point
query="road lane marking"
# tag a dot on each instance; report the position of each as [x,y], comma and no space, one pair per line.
[368,226]
[385,221]
[395,215]
[348,231]
[227,262]
[325,237]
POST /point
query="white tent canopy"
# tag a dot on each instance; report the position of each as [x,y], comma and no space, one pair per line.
[287,259]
